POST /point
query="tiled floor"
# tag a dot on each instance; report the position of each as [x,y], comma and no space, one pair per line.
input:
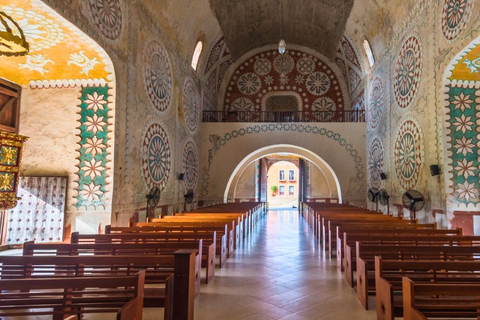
[279,273]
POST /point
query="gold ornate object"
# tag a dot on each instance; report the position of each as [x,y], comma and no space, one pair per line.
[11,147]
[12,39]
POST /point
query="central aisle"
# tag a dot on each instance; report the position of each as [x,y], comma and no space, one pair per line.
[279,274]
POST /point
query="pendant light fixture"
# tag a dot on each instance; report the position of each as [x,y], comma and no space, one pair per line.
[282,45]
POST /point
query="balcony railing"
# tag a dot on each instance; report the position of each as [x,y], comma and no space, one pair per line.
[284,116]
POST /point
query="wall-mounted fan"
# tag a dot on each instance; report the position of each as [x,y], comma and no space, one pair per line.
[153,197]
[373,196]
[414,201]
[189,196]
[384,199]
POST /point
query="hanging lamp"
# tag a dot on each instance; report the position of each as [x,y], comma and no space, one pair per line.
[282,45]
[12,38]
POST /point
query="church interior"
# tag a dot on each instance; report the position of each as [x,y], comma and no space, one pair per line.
[116,112]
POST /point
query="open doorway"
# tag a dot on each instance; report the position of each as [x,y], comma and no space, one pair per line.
[283,183]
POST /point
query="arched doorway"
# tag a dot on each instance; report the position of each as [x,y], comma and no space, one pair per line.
[68,112]
[315,179]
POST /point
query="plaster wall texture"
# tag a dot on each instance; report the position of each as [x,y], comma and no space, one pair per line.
[322,185]
[245,188]
[341,147]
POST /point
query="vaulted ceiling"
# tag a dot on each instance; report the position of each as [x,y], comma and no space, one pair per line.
[249,24]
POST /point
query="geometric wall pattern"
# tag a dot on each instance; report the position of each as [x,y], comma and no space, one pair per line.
[376,105]
[408,152]
[156,155]
[190,166]
[407,72]
[219,60]
[107,17]
[94,141]
[376,162]
[455,16]
[349,61]
[191,105]
[266,72]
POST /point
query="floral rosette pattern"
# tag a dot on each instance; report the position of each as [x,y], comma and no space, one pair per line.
[157,77]
[156,160]
[455,16]
[191,108]
[107,17]
[376,162]
[190,166]
[407,73]
[376,103]
[408,154]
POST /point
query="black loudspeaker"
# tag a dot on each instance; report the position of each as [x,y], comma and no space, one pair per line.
[181,176]
[383,176]
[434,170]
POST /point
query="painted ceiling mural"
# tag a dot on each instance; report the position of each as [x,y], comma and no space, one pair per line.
[107,17]
[59,54]
[462,108]
[265,72]
[349,61]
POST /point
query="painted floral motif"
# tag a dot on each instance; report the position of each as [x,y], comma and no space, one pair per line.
[407,73]
[95,101]
[324,109]
[84,62]
[107,17]
[249,83]
[284,64]
[318,83]
[262,67]
[191,108]
[190,166]
[376,162]
[455,16]
[305,66]
[408,153]
[269,80]
[243,104]
[156,161]
[467,192]
[463,125]
[375,109]
[473,65]
[93,162]
[462,102]
[36,62]
[41,32]
[157,77]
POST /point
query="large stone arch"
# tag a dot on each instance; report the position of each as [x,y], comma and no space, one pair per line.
[320,163]
[342,149]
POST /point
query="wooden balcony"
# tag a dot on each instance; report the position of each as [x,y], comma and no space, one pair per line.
[284,116]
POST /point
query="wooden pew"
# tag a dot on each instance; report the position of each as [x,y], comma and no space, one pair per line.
[113,249]
[240,219]
[232,237]
[428,301]
[73,296]
[365,257]
[351,236]
[401,239]
[389,273]
[153,237]
[221,231]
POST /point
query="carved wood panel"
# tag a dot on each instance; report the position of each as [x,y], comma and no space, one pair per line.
[40,214]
